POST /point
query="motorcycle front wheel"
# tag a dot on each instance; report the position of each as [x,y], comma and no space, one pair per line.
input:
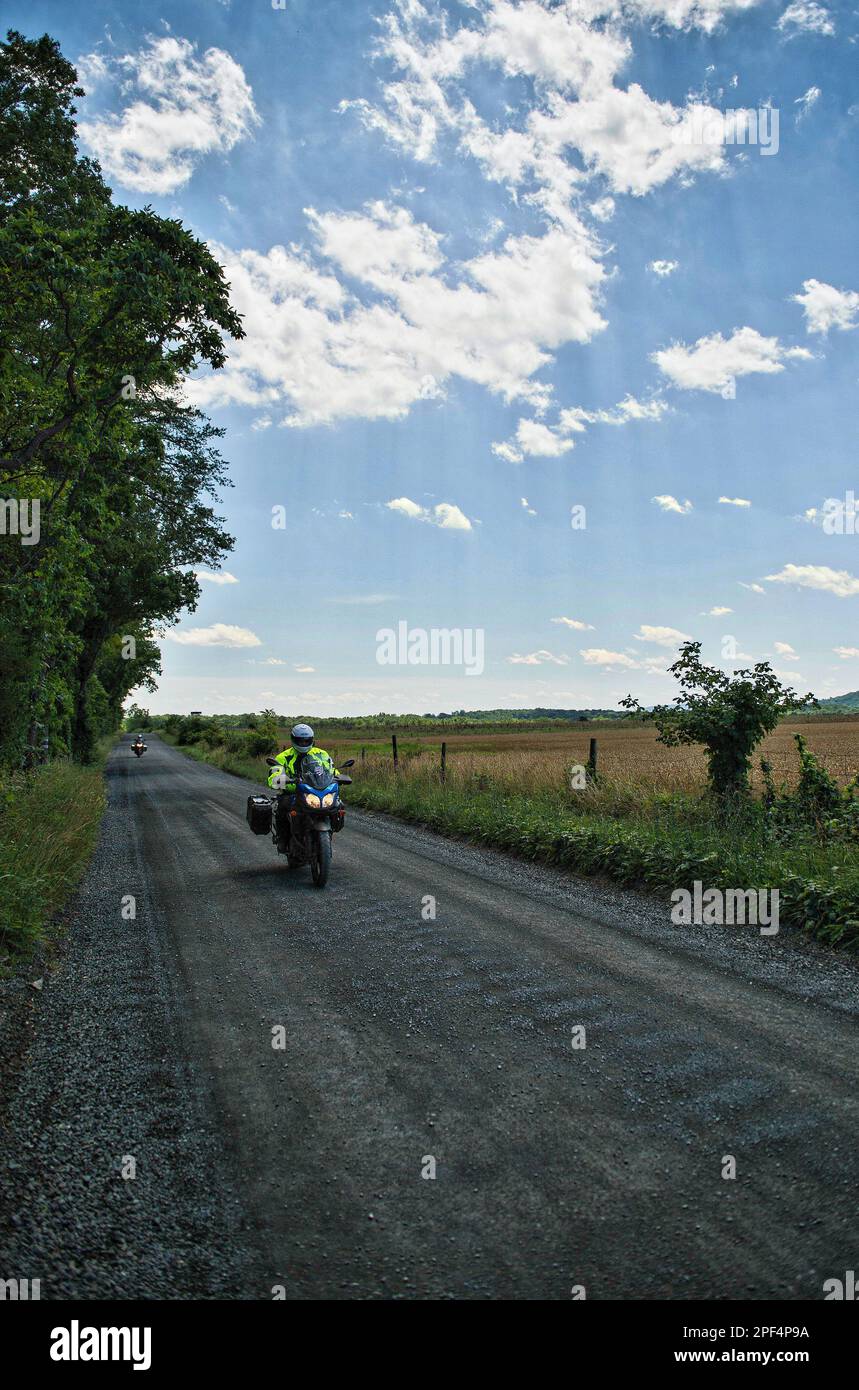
[320,859]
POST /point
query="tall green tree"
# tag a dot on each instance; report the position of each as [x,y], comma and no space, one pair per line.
[104,310]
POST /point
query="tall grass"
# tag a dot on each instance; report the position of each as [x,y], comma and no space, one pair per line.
[49,822]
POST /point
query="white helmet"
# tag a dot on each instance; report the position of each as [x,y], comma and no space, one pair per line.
[302,738]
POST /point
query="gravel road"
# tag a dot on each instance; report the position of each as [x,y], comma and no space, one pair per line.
[413,1045]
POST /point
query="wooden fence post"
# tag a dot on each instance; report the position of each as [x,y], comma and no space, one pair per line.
[362,755]
[394,747]
[592,760]
[443,760]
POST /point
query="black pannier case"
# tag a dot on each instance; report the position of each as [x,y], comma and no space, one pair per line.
[259,814]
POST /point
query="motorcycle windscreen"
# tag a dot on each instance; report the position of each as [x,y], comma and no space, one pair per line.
[314,773]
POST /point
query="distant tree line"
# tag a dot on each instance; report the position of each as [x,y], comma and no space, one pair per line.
[190,728]
[104,311]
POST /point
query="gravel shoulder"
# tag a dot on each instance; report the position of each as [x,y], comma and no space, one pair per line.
[96,1070]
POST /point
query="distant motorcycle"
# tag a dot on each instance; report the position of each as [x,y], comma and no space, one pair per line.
[309,817]
[138,747]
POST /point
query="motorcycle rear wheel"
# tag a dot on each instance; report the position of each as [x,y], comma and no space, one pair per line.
[320,859]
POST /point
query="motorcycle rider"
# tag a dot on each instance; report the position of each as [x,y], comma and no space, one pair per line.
[301,736]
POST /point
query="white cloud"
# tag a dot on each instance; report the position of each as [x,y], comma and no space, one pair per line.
[602,209]
[450,518]
[557,47]
[528,508]
[533,438]
[304,670]
[718,611]
[690,14]
[507,451]
[572,53]
[184,108]
[846,653]
[540,658]
[807,16]
[735,501]
[407,507]
[218,635]
[826,307]
[806,102]
[786,650]
[381,247]
[575,624]
[92,69]
[444,514]
[374,317]
[493,230]
[315,345]
[221,577]
[627,410]
[712,363]
[540,441]
[838,582]
[754,588]
[662,636]
[599,656]
[667,503]
[634,142]
[663,268]
[654,665]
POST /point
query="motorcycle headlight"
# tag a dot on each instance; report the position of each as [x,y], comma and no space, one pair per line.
[328,799]
[312,800]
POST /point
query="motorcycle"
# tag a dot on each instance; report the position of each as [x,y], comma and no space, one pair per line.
[303,823]
[138,748]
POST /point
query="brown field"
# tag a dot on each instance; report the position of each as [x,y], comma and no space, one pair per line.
[627,754]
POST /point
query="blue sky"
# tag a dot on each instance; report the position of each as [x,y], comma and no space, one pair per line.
[498,261]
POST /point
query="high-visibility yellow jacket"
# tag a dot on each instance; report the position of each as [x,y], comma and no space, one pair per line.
[287,761]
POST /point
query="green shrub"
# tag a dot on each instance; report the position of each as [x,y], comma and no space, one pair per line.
[259,745]
[727,715]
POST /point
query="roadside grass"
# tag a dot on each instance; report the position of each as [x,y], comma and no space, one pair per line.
[49,823]
[629,831]
[636,830]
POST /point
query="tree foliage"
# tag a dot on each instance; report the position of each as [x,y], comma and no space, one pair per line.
[105,310]
[729,715]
